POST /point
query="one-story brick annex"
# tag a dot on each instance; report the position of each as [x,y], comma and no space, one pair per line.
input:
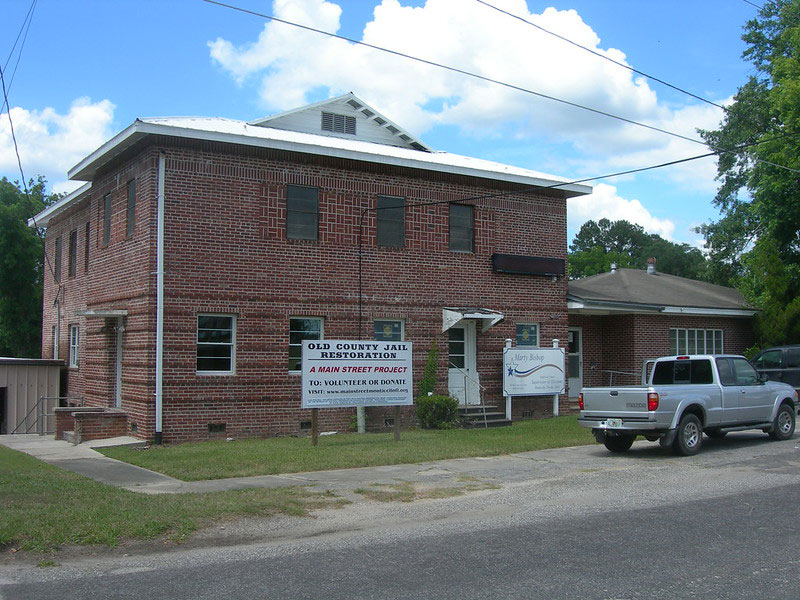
[201,251]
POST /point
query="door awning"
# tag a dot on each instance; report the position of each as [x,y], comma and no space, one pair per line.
[101,313]
[453,316]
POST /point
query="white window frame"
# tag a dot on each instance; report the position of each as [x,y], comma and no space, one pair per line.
[681,347]
[535,344]
[74,346]
[393,320]
[321,337]
[231,344]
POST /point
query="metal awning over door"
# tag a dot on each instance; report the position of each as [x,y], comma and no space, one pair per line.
[453,316]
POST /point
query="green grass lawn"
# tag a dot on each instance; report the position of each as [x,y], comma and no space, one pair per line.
[44,507]
[242,458]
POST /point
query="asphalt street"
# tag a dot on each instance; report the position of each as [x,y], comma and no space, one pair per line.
[582,524]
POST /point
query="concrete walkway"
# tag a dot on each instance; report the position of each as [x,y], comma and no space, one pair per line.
[461,472]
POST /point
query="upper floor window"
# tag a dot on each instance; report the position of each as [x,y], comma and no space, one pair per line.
[72,265]
[696,341]
[301,212]
[57,260]
[338,123]
[86,249]
[106,218]
[391,221]
[131,222]
[462,227]
[216,344]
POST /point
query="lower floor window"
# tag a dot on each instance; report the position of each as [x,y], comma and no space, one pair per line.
[696,341]
[216,335]
[74,345]
[301,328]
[388,330]
[527,334]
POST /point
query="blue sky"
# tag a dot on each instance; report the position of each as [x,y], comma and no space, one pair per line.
[88,68]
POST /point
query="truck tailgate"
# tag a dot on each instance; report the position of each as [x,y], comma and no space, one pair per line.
[616,401]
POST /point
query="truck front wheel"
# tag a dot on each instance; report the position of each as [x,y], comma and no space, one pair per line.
[689,436]
[619,443]
[783,425]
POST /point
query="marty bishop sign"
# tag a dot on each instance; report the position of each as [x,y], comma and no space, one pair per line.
[340,373]
[533,371]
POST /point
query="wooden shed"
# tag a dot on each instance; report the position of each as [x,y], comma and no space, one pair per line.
[23,382]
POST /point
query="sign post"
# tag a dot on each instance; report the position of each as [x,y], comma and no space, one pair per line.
[346,373]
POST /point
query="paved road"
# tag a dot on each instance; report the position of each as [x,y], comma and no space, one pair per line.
[582,524]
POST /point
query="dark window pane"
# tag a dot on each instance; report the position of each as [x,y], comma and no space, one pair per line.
[391,221]
[57,260]
[793,358]
[726,376]
[527,334]
[73,252]
[301,329]
[214,343]
[301,212]
[388,330]
[461,227]
[106,218]
[131,207]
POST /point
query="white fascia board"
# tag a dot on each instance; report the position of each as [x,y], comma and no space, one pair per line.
[709,312]
[426,161]
[43,218]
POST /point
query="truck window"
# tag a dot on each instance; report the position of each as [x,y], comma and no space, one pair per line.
[676,372]
[771,359]
[726,376]
[745,373]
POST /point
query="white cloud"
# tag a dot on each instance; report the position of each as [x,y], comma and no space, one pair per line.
[605,202]
[293,67]
[51,143]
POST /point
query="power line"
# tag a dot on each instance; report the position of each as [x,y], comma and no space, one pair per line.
[26,26]
[457,70]
[600,55]
[753,4]
[483,78]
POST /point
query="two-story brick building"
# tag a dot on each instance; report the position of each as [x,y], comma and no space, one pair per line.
[202,251]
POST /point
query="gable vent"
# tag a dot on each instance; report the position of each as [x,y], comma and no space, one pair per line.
[338,123]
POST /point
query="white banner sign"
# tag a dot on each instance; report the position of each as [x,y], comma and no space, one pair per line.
[533,371]
[338,373]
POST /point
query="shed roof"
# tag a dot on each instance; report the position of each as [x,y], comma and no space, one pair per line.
[634,290]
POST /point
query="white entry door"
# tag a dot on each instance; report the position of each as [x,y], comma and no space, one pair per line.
[463,382]
[575,361]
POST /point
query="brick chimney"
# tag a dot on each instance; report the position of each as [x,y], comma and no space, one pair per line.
[651,266]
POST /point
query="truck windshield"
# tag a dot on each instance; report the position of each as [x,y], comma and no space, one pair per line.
[671,372]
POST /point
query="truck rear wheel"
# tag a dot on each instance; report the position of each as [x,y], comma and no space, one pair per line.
[689,436]
[783,425]
[619,443]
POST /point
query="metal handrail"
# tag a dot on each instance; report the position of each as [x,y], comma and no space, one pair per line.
[481,389]
[39,422]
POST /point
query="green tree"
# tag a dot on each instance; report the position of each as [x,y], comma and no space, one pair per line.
[756,242]
[599,244]
[21,271]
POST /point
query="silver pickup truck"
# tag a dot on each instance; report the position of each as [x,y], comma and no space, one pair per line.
[682,397]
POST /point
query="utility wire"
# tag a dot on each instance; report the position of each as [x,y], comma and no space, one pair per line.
[457,70]
[753,4]
[483,78]
[26,26]
[601,55]
[25,184]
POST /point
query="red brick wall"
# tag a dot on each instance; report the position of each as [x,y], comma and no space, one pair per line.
[623,342]
[226,252]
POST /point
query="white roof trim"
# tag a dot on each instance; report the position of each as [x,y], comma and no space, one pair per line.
[605,308]
[239,132]
[43,218]
[102,312]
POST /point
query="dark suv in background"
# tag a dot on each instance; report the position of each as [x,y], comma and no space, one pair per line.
[780,364]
